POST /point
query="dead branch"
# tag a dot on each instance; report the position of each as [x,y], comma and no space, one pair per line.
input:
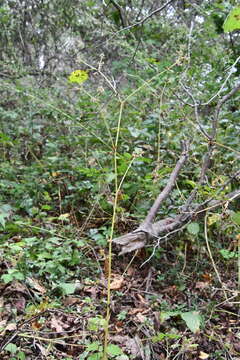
[168,188]
[149,230]
[138,238]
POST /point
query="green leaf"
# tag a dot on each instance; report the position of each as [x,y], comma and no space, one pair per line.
[193,228]
[21,355]
[7,278]
[18,275]
[226,254]
[191,183]
[110,177]
[94,346]
[67,288]
[165,315]
[94,324]
[96,356]
[172,336]
[158,337]
[192,320]
[236,217]
[83,355]
[134,132]
[12,348]
[232,21]
[114,350]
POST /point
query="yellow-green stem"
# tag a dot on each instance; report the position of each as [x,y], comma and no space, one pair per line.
[106,329]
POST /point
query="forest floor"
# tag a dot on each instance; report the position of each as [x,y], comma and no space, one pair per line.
[165,309]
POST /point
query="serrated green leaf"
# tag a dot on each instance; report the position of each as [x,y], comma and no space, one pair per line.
[232,21]
[193,228]
[192,320]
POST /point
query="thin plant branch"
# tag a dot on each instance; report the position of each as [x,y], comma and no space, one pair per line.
[211,257]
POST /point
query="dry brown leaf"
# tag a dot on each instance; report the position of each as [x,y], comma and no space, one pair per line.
[202,285]
[118,326]
[20,304]
[92,290]
[17,286]
[128,344]
[130,271]
[142,300]
[36,325]
[70,300]
[56,324]
[135,311]
[140,317]
[207,277]
[236,346]
[36,285]
[117,283]
[133,347]
[3,327]
[1,307]
[106,266]
[11,327]
[203,355]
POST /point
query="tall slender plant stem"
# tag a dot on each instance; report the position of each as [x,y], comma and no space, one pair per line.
[106,329]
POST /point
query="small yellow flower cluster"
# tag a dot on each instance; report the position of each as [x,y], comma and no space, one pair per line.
[78,76]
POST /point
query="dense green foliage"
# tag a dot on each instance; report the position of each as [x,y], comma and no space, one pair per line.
[57,138]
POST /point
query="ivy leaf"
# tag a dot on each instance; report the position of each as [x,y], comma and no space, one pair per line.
[78,76]
[192,320]
[232,21]
[193,228]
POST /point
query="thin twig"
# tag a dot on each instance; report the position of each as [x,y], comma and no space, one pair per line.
[224,83]
[218,108]
[211,257]
[140,22]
